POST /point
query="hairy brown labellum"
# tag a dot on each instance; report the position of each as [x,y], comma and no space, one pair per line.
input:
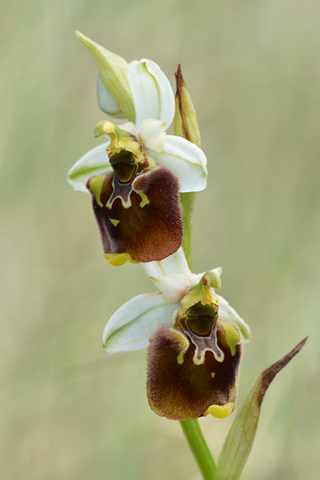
[179,387]
[138,213]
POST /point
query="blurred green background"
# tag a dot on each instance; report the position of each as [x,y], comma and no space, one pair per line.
[68,410]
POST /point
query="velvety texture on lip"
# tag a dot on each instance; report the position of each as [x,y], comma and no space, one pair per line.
[180,389]
[141,217]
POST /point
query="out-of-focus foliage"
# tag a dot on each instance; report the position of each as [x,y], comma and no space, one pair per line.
[68,410]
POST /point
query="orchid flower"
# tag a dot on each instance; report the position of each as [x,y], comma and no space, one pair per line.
[194,340]
[136,176]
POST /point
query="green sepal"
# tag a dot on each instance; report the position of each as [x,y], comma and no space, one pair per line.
[239,441]
[113,72]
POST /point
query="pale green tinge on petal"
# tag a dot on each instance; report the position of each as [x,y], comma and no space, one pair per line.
[113,71]
[239,441]
[176,263]
[94,162]
[106,101]
[185,160]
[152,92]
[228,313]
[131,325]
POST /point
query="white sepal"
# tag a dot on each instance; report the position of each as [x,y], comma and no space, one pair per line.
[131,326]
[185,160]
[94,162]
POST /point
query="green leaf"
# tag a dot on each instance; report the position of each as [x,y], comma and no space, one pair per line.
[113,72]
[239,441]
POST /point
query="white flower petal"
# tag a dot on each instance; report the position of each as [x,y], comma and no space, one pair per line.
[172,287]
[129,127]
[106,101]
[185,160]
[131,325]
[229,313]
[94,162]
[151,91]
[176,263]
[152,134]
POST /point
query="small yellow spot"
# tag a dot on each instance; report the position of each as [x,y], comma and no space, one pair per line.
[184,345]
[118,259]
[180,358]
[233,337]
[220,411]
[95,186]
[213,374]
[144,199]
[114,221]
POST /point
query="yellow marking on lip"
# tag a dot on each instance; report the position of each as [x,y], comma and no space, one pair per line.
[184,344]
[220,411]
[144,199]
[114,221]
[95,186]
[118,259]
[233,337]
[213,374]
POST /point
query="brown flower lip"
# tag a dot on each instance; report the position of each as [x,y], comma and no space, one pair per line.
[137,210]
[194,364]
[180,391]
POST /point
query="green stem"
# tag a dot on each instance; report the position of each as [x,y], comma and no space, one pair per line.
[199,448]
[184,112]
[187,203]
[191,428]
